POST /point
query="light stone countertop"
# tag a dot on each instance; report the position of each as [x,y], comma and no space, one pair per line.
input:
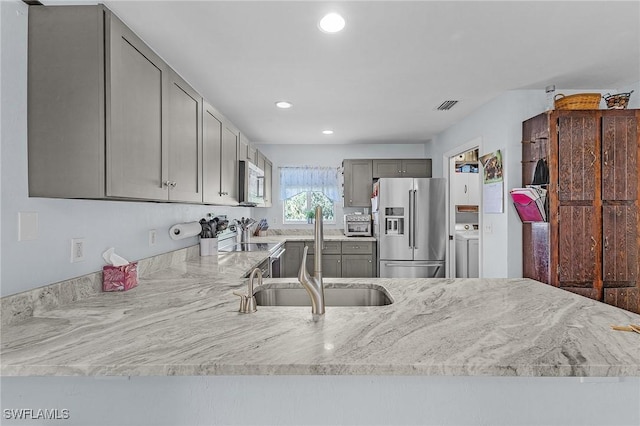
[183,320]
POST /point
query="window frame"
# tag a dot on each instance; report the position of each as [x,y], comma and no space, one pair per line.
[286,221]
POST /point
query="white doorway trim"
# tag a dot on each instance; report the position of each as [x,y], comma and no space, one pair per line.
[448,167]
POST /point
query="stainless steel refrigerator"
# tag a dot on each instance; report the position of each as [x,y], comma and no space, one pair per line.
[410,227]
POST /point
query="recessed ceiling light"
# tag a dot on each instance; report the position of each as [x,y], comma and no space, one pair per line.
[327,132]
[331,23]
[284,104]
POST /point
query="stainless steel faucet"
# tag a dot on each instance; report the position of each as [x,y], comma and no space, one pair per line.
[313,284]
[248,301]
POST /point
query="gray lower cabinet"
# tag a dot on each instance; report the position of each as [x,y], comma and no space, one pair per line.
[358,266]
[331,265]
[358,259]
[292,258]
[351,259]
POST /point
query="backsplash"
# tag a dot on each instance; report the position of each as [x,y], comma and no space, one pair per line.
[309,231]
[18,307]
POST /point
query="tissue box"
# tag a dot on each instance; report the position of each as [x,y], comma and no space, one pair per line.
[120,278]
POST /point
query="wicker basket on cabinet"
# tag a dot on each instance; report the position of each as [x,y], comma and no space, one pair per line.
[577,101]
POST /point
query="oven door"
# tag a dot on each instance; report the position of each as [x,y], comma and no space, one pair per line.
[276,265]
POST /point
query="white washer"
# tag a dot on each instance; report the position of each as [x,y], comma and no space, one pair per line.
[467,251]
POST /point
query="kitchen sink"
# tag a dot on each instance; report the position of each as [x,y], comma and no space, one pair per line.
[333,296]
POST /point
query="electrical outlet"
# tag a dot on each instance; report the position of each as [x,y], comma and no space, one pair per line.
[77,250]
[152,238]
[488,228]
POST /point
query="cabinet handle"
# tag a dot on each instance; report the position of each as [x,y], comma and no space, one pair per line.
[606,157]
[606,243]
[465,188]
[166,183]
[173,184]
[594,157]
[593,246]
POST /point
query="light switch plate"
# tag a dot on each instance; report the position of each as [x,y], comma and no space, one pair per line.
[27,226]
[488,228]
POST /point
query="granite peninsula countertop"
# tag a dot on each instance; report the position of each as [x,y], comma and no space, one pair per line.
[183,320]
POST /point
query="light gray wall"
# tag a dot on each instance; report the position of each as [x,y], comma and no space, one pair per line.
[325,156]
[103,224]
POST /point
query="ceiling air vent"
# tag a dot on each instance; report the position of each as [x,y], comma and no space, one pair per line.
[446,105]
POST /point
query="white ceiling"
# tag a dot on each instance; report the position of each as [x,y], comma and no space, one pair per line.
[381,78]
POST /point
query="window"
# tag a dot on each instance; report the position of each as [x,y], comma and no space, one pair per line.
[304,188]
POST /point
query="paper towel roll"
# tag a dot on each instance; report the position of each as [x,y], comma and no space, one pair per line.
[185,230]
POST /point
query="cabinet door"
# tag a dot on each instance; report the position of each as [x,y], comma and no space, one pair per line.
[620,247]
[252,154]
[243,147]
[331,265]
[357,266]
[229,166]
[416,168]
[619,157]
[579,245]
[292,258]
[185,141]
[578,168]
[387,168]
[466,189]
[625,298]
[473,186]
[137,96]
[260,160]
[358,183]
[268,182]
[211,150]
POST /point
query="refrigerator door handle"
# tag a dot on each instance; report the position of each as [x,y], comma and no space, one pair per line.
[412,264]
[415,214]
[411,218]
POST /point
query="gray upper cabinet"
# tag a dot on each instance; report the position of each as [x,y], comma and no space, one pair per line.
[107,117]
[268,182]
[229,165]
[220,158]
[358,181]
[136,116]
[185,142]
[211,150]
[65,101]
[252,154]
[415,168]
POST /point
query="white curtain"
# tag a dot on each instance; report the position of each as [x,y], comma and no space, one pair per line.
[294,180]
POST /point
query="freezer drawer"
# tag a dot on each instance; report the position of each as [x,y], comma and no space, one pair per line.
[411,269]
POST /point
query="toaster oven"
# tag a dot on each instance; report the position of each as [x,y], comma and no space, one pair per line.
[357,225]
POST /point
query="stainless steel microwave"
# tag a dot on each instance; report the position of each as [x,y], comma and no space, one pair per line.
[251,188]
